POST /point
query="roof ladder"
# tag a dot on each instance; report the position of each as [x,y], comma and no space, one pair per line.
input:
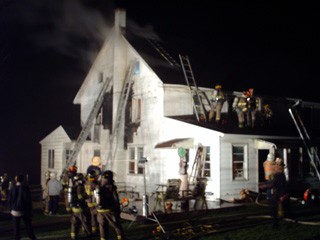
[163,52]
[87,126]
[195,92]
[120,110]
[314,158]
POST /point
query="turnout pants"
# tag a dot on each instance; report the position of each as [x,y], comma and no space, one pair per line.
[106,217]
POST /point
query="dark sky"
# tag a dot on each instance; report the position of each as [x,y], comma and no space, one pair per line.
[47,48]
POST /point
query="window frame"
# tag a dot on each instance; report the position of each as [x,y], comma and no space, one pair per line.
[242,172]
[51,158]
[135,153]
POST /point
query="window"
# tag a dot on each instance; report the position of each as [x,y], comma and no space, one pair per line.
[51,158]
[136,110]
[239,162]
[68,154]
[96,152]
[206,167]
[136,154]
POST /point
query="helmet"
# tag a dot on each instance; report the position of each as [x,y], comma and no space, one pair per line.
[218,86]
[73,169]
[53,175]
[270,157]
[91,175]
[96,161]
[107,175]
[79,177]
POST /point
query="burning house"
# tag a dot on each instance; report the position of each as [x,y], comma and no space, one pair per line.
[132,109]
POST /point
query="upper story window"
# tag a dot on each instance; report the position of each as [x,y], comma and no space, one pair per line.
[239,162]
[136,110]
[51,158]
[136,154]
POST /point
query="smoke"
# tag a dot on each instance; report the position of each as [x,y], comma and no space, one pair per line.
[70,28]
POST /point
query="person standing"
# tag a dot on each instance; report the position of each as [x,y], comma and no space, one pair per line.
[4,187]
[216,103]
[240,106]
[95,165]
[269,169]
[54,191]
[108,207]
[280,201]
[80,213]
[20,206]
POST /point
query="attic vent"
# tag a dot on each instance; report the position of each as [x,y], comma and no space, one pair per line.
[163,52]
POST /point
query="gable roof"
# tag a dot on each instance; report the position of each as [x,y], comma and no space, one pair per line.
[163,60]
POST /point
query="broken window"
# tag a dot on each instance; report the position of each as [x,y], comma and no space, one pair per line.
[239,162]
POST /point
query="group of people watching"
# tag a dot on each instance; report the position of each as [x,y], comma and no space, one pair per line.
[91,198]
[276,187]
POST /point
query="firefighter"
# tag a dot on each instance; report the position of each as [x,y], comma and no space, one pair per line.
[90,185]
[108,206]
[216,103]
[240,106]
[269,170]
[46,193]
[66,180]
[4,188]
[80,215]
[252,104]
[95,165]
[266,115]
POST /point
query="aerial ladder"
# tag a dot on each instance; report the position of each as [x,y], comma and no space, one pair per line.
[196,94]
[87,126]
[314,158]
[126,89]
[198,165]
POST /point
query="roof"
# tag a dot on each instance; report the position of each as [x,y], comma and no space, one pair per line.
[163,60]
[176,143]
[72,132]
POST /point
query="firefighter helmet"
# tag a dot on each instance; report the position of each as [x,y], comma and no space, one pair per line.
[91,176]
[107,175]
[73,169]
[218,86]
[79,177]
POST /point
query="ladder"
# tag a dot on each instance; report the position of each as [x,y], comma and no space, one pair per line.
[87,126]
[198,106]
[163,52]
[198,165]
[126,89]
[314,158]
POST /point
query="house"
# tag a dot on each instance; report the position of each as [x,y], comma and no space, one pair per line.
[153,118]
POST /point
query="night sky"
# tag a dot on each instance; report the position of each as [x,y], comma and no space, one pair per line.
[47,48]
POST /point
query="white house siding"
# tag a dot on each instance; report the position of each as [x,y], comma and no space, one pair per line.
[55,140]
[177,100]
[148,87]
[229,187]
[164,163]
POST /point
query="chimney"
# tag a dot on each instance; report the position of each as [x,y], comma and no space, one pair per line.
[120,20]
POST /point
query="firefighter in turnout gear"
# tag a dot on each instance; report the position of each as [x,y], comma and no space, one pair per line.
[266,115]
[108,207]
[216,104]
[252,104]
[240,106]
[80,215]
[66,180]
[89,186]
